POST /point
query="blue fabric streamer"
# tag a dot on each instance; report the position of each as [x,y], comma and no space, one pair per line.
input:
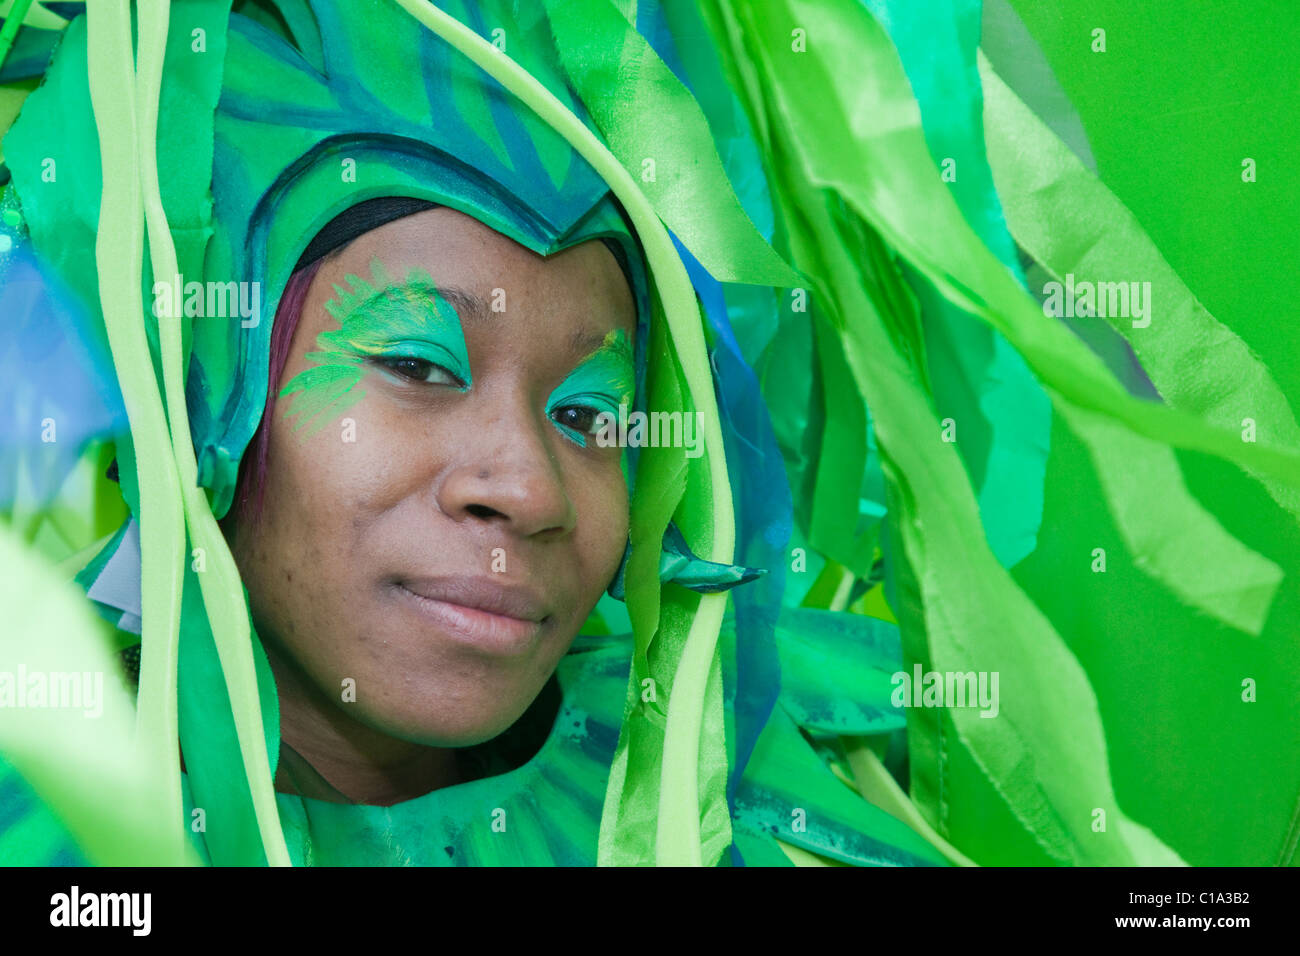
[59,390]
[764,516]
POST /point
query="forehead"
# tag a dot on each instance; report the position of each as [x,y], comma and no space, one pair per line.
[474,262]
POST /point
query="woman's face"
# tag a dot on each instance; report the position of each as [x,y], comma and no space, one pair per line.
[438,518]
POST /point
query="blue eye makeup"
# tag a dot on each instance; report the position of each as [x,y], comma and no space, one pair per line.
[602,382]
[408,330]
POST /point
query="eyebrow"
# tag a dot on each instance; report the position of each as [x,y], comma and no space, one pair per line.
[470,305]
[466,303]
[584,341]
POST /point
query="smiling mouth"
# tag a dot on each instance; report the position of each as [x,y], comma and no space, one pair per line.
[477,612]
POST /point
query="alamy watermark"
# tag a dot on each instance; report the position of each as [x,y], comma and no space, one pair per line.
[220,300]
[946,689]
[1113,300]
[54,690]
[651,430]
[129,910]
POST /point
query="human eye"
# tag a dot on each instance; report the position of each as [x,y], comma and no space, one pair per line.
[594,392]
[582,417]
[416,369]
[577,418]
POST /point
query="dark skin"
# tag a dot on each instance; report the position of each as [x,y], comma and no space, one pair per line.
[444,559]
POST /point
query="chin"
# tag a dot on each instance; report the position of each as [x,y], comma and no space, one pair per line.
[469,724]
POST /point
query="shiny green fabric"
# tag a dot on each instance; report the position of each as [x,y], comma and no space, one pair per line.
[1034,785]
[547,811]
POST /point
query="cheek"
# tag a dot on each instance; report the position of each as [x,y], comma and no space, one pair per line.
[309,478]
[604,528]
[350,467]
[320,493]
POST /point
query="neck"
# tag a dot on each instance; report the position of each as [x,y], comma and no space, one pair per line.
[328,755]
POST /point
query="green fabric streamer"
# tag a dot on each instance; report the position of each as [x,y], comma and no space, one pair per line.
[657,130]
[1044,759]
[1168,531]
[660,483]
[833,523]
[917,216]
[222,591]
[84,763]
[1074,225]
[120,242]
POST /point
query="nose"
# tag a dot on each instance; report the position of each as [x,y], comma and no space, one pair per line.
[508,475]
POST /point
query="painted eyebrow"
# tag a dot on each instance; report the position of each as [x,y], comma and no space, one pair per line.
[584,342]
[471,306]
[466,303]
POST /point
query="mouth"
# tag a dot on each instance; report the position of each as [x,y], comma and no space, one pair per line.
[487,615]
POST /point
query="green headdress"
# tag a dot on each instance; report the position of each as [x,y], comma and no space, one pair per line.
[305,125]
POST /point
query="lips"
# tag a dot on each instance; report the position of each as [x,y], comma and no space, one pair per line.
[489,615]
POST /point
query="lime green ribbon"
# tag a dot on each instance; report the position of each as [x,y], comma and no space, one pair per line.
[125,100]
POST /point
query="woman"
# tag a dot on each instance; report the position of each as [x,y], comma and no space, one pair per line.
[458,539]
[400,440]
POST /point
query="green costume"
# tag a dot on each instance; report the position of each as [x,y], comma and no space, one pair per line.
[879,399]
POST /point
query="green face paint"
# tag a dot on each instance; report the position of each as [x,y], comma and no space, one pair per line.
[602,382]
[384,324]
